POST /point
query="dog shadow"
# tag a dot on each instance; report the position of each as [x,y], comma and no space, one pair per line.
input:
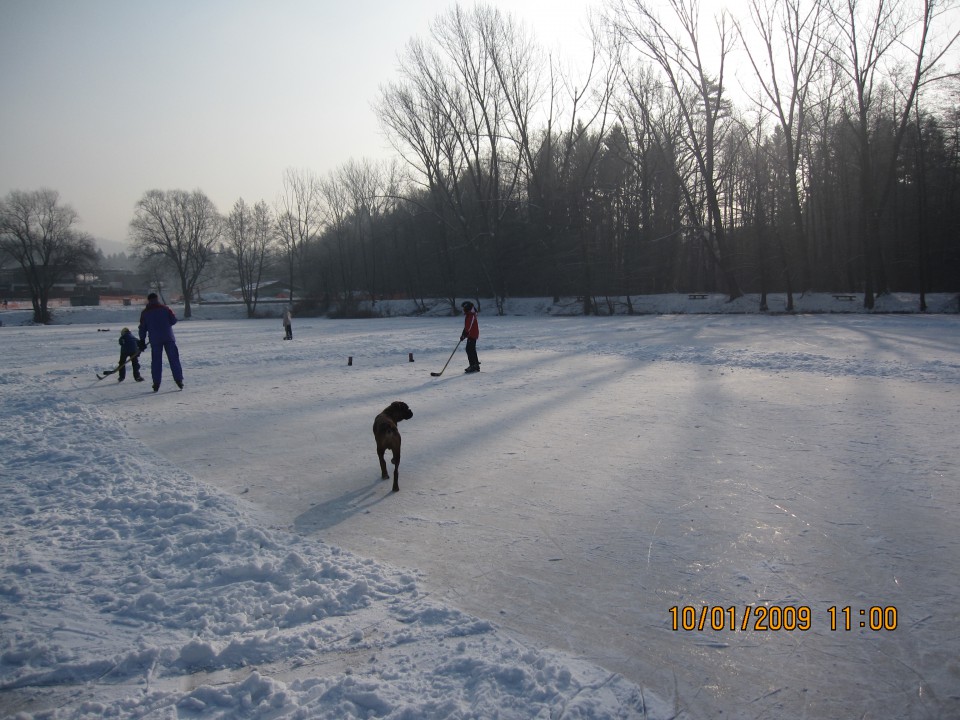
[333,512]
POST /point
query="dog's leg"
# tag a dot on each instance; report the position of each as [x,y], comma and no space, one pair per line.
[383,463]
[396,466]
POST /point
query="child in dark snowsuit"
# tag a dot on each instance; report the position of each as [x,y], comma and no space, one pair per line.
[129,349]
[471,332]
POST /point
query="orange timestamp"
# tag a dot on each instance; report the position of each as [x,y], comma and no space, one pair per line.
[773,618]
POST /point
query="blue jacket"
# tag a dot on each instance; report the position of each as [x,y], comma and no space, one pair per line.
[157,320]
[128,343]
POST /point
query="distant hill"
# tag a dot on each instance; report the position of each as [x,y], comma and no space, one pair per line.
[113,247]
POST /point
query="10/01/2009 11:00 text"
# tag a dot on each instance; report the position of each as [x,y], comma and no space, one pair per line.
[773,618]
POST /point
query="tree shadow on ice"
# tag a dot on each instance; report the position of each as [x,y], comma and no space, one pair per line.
[333,512]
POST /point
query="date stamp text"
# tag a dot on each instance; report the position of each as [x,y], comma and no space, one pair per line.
[774,618]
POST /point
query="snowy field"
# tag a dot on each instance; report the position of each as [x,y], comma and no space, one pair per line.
[230,551]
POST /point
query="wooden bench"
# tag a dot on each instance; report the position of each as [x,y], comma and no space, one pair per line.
[845,297]
[697,296]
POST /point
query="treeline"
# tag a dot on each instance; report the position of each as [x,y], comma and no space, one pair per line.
[829,159]
[642,175]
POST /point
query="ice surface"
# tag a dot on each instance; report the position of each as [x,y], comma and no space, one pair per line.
[231,548]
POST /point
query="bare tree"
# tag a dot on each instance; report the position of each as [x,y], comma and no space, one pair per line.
[477,114]
[884,49]
[451,119]
[364,182]
[551,117]
[249,237]
[36,231]
[676,47]
[653,131]
[412,113]
[787,61]
[182,228]
[337,205]
[299,219]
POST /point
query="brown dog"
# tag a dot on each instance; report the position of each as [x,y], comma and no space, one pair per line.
[387,435]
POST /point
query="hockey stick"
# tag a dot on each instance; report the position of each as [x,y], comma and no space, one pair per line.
[448,360]
[111,372]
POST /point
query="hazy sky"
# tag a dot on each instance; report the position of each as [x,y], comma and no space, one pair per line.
[103,100]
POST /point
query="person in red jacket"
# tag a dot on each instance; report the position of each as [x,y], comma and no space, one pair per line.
[471,331]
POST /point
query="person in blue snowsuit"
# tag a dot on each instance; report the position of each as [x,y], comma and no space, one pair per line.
[158,320]
[129,350]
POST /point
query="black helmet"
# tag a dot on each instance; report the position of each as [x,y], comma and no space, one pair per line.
[466,305]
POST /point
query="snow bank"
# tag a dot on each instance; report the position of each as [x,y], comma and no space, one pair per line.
[135,591]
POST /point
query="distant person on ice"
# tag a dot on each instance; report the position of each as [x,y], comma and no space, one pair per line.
[158,320]
[287,325]
[471,331]
[129,350]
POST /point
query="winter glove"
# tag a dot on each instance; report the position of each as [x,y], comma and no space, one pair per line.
[142,345]
[463,336]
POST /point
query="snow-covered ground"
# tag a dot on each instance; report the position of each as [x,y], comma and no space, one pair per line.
[230,551]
